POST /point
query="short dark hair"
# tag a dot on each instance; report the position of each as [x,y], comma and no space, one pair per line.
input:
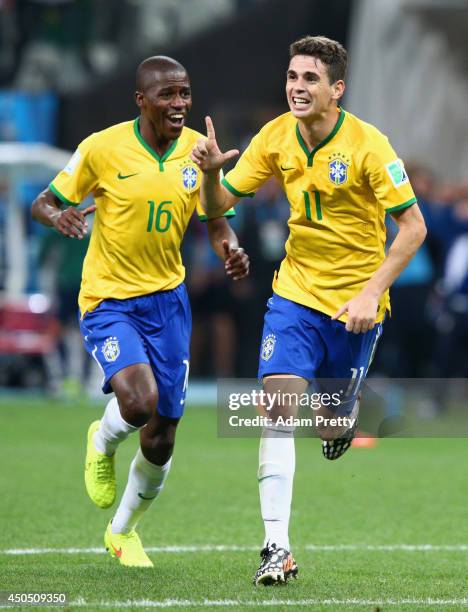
[329,52]
[145,73]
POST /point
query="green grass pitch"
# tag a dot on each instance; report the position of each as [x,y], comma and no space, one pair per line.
[369,503]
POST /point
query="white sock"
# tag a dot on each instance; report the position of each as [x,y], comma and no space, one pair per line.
[145,479]
[277,462]
[113,429]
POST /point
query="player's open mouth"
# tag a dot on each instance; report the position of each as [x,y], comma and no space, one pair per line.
[176,119]
[300,102]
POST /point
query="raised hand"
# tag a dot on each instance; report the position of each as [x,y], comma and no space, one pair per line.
[206,153]
[72,222]
[236,261]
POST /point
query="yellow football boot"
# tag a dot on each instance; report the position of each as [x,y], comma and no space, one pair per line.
[99,473]
[127,548]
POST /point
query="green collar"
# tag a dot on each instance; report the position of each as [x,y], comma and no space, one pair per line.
[160,160]
[310,154]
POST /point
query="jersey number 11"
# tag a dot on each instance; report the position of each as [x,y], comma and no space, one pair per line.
[318,207]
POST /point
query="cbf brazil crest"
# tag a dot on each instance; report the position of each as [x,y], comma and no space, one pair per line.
[338,165]
[189,177]
[268,346]
[110,349]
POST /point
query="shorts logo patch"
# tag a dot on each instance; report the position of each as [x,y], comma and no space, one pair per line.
[268,346]
[111,349]
[396,171]
[189,177]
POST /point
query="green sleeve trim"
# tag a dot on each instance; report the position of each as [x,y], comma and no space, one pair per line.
[401,206]
[229,213]
[56,192]
[234,191]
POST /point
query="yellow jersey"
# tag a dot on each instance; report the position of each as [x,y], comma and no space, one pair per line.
[144,204]
[338,193]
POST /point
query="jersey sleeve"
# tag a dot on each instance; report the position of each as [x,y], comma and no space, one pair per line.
[80,176]
[388,178]
[201,213]
[251,171]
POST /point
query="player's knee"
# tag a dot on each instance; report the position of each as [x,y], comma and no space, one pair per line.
[138,408]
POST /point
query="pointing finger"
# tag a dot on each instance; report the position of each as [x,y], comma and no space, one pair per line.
[210,131]
[340,312]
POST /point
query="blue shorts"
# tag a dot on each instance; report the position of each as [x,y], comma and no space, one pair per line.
[305,342]
[153,329]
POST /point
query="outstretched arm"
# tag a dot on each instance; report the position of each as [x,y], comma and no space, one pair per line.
[215,199]
[225,244]
[70,222]
[362,309]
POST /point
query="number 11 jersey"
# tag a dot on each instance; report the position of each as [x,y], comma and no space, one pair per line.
[339,194]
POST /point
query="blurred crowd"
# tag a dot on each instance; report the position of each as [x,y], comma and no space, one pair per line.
[427,334]
[43,42]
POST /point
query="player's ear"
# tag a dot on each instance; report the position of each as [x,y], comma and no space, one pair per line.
[338,89]
[139,98]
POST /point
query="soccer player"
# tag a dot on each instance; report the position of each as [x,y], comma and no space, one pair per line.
[341,177]
[134,311]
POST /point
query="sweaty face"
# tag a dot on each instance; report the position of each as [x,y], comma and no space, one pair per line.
[166,102]
[308,89]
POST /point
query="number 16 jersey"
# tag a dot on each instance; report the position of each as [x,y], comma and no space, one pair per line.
[144,204]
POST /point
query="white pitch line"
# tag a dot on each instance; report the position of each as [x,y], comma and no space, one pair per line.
[390,547]
[239,603]
[233,548]
[156,549]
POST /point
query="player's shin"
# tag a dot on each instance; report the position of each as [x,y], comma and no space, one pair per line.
[113,429]
[145,482]
[275,476]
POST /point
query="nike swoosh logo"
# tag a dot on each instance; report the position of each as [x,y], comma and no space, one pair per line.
[143,497]
[284,169]
[118,551]
[125,176]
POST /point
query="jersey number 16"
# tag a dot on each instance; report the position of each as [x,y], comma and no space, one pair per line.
[162,219]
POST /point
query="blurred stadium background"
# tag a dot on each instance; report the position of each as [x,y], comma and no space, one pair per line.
[67,69]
